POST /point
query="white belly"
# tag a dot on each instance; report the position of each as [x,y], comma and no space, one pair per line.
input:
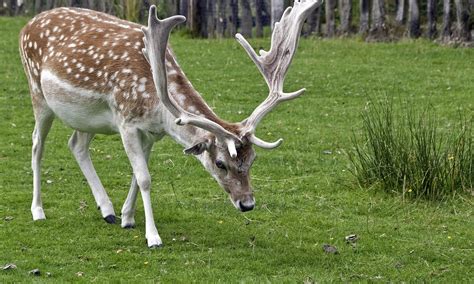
[78,108]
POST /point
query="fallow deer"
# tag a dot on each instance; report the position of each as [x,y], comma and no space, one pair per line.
[95,73]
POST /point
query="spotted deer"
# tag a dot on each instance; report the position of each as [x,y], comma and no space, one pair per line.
[102,75]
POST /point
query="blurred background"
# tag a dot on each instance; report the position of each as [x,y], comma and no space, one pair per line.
[447,21]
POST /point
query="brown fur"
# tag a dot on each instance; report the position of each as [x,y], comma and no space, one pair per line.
[101,53]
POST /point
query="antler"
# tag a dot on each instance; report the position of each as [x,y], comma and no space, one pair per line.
[156,40]
[274,64]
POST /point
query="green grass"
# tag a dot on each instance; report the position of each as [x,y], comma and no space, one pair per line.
[404,151]
[304,197]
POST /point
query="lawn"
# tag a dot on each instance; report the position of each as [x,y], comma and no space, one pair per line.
[305,194]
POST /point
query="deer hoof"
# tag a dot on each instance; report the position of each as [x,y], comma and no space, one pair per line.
[128,222]
[38,214]
[154,242]
[110,219]
[128,226]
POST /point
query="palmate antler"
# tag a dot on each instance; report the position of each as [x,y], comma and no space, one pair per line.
[156,40]
[274,64]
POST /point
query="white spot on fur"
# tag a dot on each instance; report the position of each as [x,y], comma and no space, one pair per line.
[181,99]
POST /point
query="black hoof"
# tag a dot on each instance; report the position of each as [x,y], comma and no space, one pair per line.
[156,246]
[110,219]
[130,226]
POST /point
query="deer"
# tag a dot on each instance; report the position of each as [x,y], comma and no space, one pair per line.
[99,74]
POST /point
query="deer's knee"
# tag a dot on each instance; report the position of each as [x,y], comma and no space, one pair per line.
[144,181]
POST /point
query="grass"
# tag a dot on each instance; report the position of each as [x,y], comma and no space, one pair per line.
[403,151]
[304,198]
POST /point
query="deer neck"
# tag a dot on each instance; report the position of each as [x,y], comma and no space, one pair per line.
[188,98]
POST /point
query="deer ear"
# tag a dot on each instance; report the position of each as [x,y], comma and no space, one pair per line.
[198,148]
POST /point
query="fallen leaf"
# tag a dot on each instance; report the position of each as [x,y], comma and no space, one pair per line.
[330,249]
[9,266]
[79,274]
[35,272]
[351,239]
[8,218]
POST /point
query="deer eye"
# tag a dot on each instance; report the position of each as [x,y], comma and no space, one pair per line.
[220,165]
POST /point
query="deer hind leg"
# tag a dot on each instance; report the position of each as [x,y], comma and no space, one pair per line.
[43,120]
[133,144]
[79,145]
[129,206]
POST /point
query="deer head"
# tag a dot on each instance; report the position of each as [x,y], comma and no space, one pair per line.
[225,149]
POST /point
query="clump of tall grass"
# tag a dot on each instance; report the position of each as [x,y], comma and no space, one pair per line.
[407,153]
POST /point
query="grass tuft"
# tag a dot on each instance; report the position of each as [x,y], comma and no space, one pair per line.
[409,153]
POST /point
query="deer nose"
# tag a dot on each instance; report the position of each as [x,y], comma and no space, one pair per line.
[246,206]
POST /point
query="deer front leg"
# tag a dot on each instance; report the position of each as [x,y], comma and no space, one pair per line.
[133,144]
[79,145]
[129,206]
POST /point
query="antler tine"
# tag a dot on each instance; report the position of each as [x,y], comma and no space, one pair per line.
[156,37]
[274,64]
